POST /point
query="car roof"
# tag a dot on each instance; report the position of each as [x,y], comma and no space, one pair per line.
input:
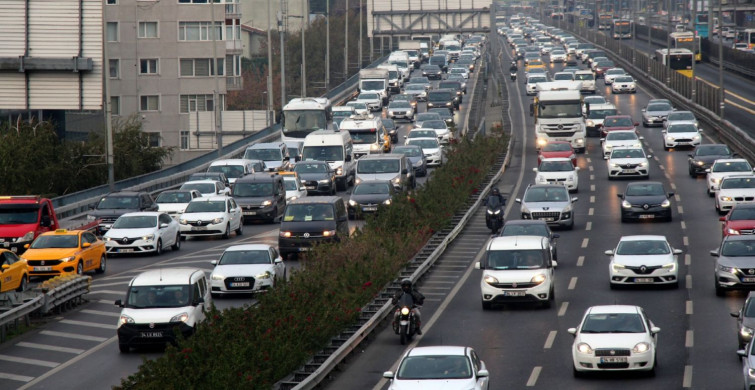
[258,176]
[267,145]
[207,180]
[63,232]
[517,242]
[247,247]
[317,199]
[143,214]
[124,193]
[556,159]
[210,199]
[165,276]
[644,237]
[608,309]
[526,222]
[437,350]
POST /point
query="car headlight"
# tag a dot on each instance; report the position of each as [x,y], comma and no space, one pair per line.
[264,275]
[745,332]
[671,267]
[182,317]
[387,202]
[541,179]
[609,147]
[329,233]
[418,163]
[148,237]
[490,279]
[326,181]
[69,258]
[666,203]
[625,204]
[590,123]
[670,138]
[728,269]
[396,180]
[293,197]
[217,220]
[266,203]
[124,319]
[698,163]
[584,348]
[537,279]
[643,164]
[617,267]
[725,198]
[731,231]
[715,180]
[751,372]
[641,347]
[541,142]
[374,147]
[284,234]
[183,221]
[352,203]
[217,277]
[448,103]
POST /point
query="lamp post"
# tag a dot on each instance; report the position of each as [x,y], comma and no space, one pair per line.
[327,45]
[346,45]
[668,43]
[270,116]
[304,24]
[283,56]
[721,58]
[215,110]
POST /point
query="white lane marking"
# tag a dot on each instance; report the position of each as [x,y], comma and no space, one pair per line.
[118,277]
[96,285]
[680,209]
[663,169]
[111,292]
[562,309]
[580,261]
[687,381]
[549,340]
[433,300]
[592,187]
[533,377]
[585,241]
[588,159]
[72,335]
[89,324]
[685,241]
[14,377]
[206,260]
[689,340]
[101,313]
[33,362]
[687,259]
[591,211]
[592,177]
[434,293]
[592,198]
[105,301]
[689,308]
[591,168]
[688,281]
[673,187]
[572,283]
[50,347]
[684,225]
[588,226]
[437,282]
[677,197]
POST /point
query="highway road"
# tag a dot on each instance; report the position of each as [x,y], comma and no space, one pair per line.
[527,347]
[78,348]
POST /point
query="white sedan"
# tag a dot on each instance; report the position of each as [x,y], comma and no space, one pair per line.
[142,232]
[628,161]
[680,134]
[643,260]
[725,167]
[247,268]
[733,190]
[624,84]
[439,367]
[619,139]
[217,215]
[432,150]
[557,55]
[174,202]
[612,73]
[558,170]
[614,338]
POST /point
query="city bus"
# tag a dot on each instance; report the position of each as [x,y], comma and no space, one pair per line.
[747,36]
[701,25]
[621,29]
[604,20]
[680,60]
[686,40]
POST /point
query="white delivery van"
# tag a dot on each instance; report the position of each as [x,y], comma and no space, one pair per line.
[368,134]
[335,147]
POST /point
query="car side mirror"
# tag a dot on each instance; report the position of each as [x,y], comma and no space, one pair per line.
[678,251]
[670,194]
[722,219]
[742,353]
[655,330]
[118,303]
[707,170]
[348,157]
[608,253]
[574,199]
[649,156]
[636,123]
[198,301]
[691,155]
[6,266]
[278,260]
[518,200]
[297,158]
[735,314]
[404,171]
[714,253]
[478,265]
[163,225]
[534,169]
[555,235]
[26,246]
[86,245]
[214,262]
[45,221]
[388,374]
[532,109]
[572,331]
[621,196]
[91,207]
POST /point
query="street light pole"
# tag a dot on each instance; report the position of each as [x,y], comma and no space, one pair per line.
[108,112]
[668,43]
[304,24]
[270,116]
[721,58]
[283,57]
[327,45]
[215,92]
[346,45]
[360,35]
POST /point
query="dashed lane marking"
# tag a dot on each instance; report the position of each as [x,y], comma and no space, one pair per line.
[588,226]
[585,241]
[15,377]
[580,261]
[111,292]
[592,177]
[688,281]
[592,198]
[49,347]
[673,187]
[591,211]
[680,209]
[689,308]
[72,336]
[687,381]
[684,225]
[592,187]
[588,159]
[533,377]
[677,197]
[689,340]
[33,362]
[685,241]
[549,340]
[97,285]
[687,259]
[562,309]
[572,283]
[101,313]
[591,168]
[89,324]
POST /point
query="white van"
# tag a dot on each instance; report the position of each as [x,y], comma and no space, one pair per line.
[335,147]
[159,300]
[368,134]
[233,168]
[401,59]
[395,79]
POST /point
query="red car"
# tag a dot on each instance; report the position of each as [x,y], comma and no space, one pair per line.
[739,220]
[557,149]
[602,67]
[617,122]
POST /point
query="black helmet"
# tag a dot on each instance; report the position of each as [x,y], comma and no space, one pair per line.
[406,283]
[495,191]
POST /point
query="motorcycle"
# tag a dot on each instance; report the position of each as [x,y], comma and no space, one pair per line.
[404,322]
[513,76]
[494,214]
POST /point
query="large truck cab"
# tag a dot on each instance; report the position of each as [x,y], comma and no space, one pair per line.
[557,110]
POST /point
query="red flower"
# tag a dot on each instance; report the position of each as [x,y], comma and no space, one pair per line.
[474,190]
[366,285]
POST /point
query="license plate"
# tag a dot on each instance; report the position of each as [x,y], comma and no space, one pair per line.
[43,268]
[748,280]
[305,249]
[125,250]
[240,284]
[548,219]
[628,171]
[613,359]
[643,280]
[310,187]
[199,228]
[250,213]
[369,208]
[152,334]
[647,216]
[513,293]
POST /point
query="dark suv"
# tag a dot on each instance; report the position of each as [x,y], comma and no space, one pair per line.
[311,220]
[454,85]
[115,204]
[442,98]
[262,196]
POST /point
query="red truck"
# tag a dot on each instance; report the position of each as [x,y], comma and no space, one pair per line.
[23,218]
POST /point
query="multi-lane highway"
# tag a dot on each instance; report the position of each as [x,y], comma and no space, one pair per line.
[529,347]
[79,349]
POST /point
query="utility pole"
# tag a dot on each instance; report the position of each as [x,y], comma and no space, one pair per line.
[668,43]
[346,45]
[361,59]
[270,115]
[304,24]
[283,56]
[109,160]
[721,58]
[215,111]
[327,45]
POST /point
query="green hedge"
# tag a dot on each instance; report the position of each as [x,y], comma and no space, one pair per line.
[255,347]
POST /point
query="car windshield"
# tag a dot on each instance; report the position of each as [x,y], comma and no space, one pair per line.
[424,143]
[546,194]
[615,72]
[206,207]
[643,247]
[556,166]
[368,96]
[742,213]
[428,116]
[230,171]
[18,216]
[627,153]
[257,256]
[537,70]
[557,52]
[442,112]
[310,168]
[712,150]
[434,367]
[451,85]
[419,80]
[118,202]
[421,134]
[536,79]
[143,297]
[595,100]
[378,166]
[399,104]
[681,116]
[584,76]
[682,128]
[356,105]
[601,114]
[618,122]
[135,222]
[389,124]
[56,241]
[322,153]
[248,190]
[731,166]
[659,107]
[613,323]
[364,137]
[290,184]
[643,189]
[621,136]
[738,248]
[263,154]
[556,147]
[515,259]
[308,212]
[408,151]
[204,188]
[623,79]
[440,96]
[563,76]
[174,197]
[342,114]
[738,182]
[434,124]
[372,188]
[525,230]
[415,87]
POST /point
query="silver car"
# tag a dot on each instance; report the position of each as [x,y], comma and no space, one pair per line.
[748,364]
[548,202]
[655,113]
[735,264]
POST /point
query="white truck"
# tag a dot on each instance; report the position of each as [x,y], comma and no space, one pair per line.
[302,116]
[374,80]
[557,109]
[413,48]
[401,59]
[395,79]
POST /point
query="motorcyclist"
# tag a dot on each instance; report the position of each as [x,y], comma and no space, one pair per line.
[419,299]
[496,193]
[513,68]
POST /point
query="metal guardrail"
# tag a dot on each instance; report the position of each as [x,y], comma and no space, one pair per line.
[65,293]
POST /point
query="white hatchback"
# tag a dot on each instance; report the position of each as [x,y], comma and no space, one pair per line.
[143,232]
[680,134]
[247,268]
[557,170]
[439,367]
[217,215]
[643,260]
[628,162]
[620,139]
[725,167]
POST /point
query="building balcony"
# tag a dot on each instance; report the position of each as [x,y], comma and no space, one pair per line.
[233,11]
[235,46]
[233,83]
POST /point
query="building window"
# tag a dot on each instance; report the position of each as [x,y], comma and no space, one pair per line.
[149,103]
[115,68]
[196,1]
[115,105]
[184,142]
[148,66]
[199,31]
[112,2]
[148,30]
[200,67]
[194,103]
[154,139]
[112,32]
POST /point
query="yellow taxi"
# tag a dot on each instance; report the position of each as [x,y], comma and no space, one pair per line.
[13,273]
[65,252]
[532,64]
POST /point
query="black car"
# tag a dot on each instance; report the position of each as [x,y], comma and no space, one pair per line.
[703,156]
[442,98]
[392,129]
[115,204]
[530,227]
[416,157]
[220,176]
[262,196]
[368,196]
[312,220]
[317,177]
[646,200]
[432,70]
[444,114]
[454,85]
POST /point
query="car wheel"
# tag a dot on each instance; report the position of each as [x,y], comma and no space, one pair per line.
[240,229]
[79,269]
[159,247]
[577,374]
[177,245]
[124,348]
[23,284]
[613,286]
[486,305]
[103,265]
[692,172]
[645,125]
[719,290]
[710,194]
[227,234]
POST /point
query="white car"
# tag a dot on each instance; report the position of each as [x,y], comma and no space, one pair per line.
[419,133]
[611,74]
[557,55]
[439,367]
[626,161]
[594,99]
[431,148]
[174,202]
[563,76]
[733,190]
[680,134]
[558,170]
[401,109]
[216,215]
[725,167]
[416,90]
[643,260]
[295,188]
[441,130]
[207,187]
[547,48]
[614,338]
[680,117]
[143,232]
[623,84]
[247,268]
[619,139]
[532,81]
[360,108]
[373,101]
[464,71]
